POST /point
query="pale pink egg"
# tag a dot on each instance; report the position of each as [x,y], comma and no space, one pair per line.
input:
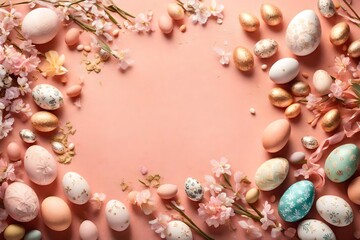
[13,151]
[276,135]
[166,24]
[88,230]
[354,191]
[21,202]
[167,191]
[56,213]
[74,90]
[72,36]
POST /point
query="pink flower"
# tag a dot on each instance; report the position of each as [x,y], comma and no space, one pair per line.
[341,64]
[10,19]
[6,127]
[216,11]
[306,171]
[3,187]
[3,214]
[220,167]
[276,231]
[312,101]
[159,224]
[23,85]
[241,186]
[12,93]
[212,186]
[142,23]
[124,59]
[3,225]
[251,231]
[217,211]
[143,199]
[224,56]
[98,199]
[337,89]
[201,15]
[268,216]
[290,232]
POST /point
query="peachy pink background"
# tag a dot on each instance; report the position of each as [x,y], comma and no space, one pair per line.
[174,111]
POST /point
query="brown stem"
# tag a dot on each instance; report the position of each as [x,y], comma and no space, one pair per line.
[349,6]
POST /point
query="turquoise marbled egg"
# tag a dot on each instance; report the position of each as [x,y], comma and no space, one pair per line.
[33,235]
[296,201]
[342,162]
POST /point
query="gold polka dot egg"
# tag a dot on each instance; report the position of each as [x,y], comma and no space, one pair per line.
[47,97]
[178,230]
[76,188]
[117,215]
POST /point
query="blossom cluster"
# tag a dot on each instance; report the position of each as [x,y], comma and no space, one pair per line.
[200,12]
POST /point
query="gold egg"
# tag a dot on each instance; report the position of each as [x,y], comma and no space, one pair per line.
[249,22]
[280,97]
[252,195]
[300,89]
[331,120]
[271,14]
[243,59]
[340,33]
[293,110]
[44,121]
[354,49]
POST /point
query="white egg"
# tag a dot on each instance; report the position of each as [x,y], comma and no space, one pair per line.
[47,97]
[178,230]
[40,165]
[117,215]
[41,25]
[76,188]
[326,8]
[335,210]
[88,231]
[312,229]
[284,70]
[322,82]
[303,33]
[265,48]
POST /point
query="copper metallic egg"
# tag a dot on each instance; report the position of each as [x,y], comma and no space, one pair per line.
[280,98]
[331,120]
[339,33]
[271,14]
[44,121]
[354,49]
[249,22]
[243,59]
[300,89]
[293,110]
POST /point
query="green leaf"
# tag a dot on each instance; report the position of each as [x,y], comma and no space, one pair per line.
[356,88]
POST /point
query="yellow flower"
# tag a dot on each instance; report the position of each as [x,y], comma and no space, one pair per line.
[53,64]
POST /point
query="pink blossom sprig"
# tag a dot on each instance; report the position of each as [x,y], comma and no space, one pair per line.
[351,15]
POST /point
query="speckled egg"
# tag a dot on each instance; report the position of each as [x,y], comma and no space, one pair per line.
[335,210]
[33,235]
[265,48]
[342,163]
[271,173]
[284,70]
[303,33]
[312,229]
[117,215]
[76,188]
[297,201]
[326,8]
[40,165]
[88,231]
[21,202]
[47,97]
[193,189]
[178,230]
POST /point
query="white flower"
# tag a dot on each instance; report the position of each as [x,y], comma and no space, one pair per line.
[159,224]
[212,185]
[6,127]
[216,11]
[220,167]
[124,59]
[201,15]
[102,28]
[224,56]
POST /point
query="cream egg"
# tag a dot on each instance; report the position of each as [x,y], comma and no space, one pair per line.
[176,230]
[335,210]
[322,82]
[117,215]
[56,213]
[271,173]
[166,24]
[40,25]
[311,229]
[21,202]
[47,97]
[276,135]
[303,33]
[284,70]
[76,188]
[88,231]
[265,48]
[40,165]
[13,151]
[175,11]
[14,232]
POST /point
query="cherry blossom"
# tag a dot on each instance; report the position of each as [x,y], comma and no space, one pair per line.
[159,224]
[268,216]
[216,11]
[224,56]
[220,167]
[97,199]
[241,185]
[276,231]
[124,59]
[6,127]
[212,186]
[143,200]
[252,231]
[142,23]
[337,89]
[341,64]
[312,101]
[201,14]
[290,232]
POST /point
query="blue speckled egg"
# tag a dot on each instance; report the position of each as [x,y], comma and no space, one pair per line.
[33,235]
[297,201]
[342,162]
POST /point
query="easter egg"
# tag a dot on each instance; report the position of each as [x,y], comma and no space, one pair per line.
[280,98]
[33,235]
[44,121]
[271,14]
[47,97]
[40,25]
[193,189]
[117,215]
[252,195]
[40,165]
[74,90]
[167,191]
[354,49]
[243,59]
[293,110]
[175,11]
[14,232]
[27,136]
[326,8]
[312,229]
[310,142]
[13,151]
[88,231]
[300,89]
[284,70]
[297,158]
[21,202]
[249,22]
[297,201]
[322,82]
[335,210]
[265,48]
[339,33]
[276,135]
[303,33]
[353,191]
[56,213]
[176,230]
[271,173]
[76,188]
[72,36]
[331,120]
[58,147]
[342,163]
[166,24]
